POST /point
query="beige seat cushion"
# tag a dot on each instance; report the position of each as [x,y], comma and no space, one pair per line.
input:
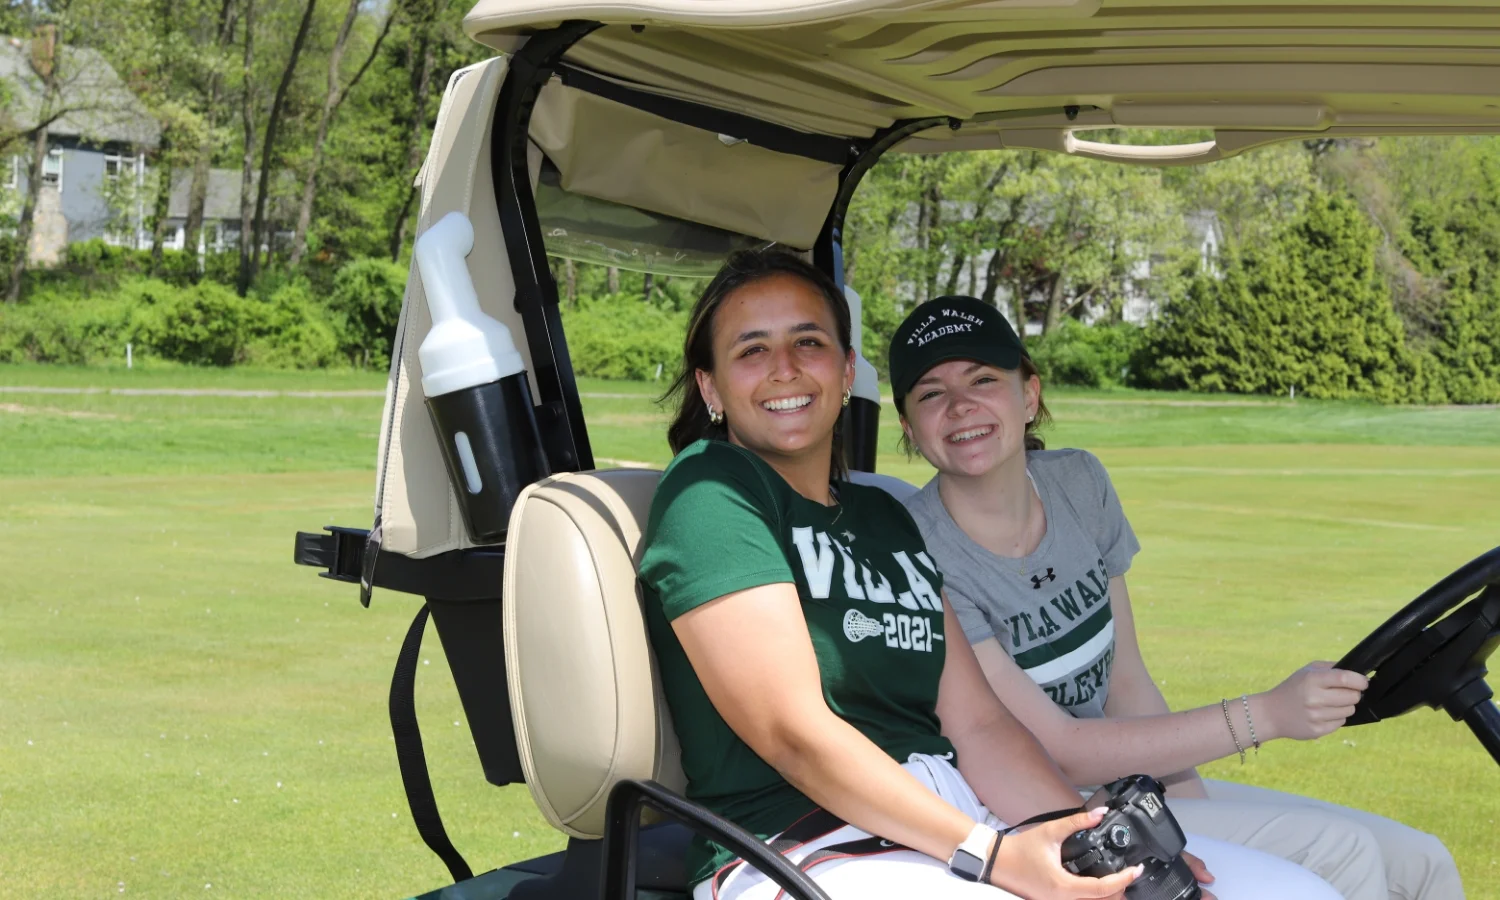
[584,694]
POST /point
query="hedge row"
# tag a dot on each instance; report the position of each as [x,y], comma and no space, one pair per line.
[207,323]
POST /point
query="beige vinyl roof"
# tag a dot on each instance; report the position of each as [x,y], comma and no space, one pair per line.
[1254,73]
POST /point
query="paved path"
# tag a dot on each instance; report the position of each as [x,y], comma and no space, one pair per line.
[238,392]
[182,392]
[235,392]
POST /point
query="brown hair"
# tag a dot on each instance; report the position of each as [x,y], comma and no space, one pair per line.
[1043,418]
[744,267]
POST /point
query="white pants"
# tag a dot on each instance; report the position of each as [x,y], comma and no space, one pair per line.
[1364,856]
[1240,873]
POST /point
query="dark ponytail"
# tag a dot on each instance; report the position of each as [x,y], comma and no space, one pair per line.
[744,267]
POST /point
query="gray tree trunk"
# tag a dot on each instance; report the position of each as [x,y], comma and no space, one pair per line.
[992,276]
[43,61]
[198,188]
[331,103]
[28,211]
[160,210]
[1018,291]
[247,166]
[268,151]
[197,197]
[414,148]
[1054,303]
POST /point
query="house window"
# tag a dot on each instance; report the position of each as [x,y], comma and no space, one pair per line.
[52,168]
[116,165]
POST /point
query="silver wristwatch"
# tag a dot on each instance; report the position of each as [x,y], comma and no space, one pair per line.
[972,856]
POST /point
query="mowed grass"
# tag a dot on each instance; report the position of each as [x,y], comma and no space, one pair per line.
[180,706]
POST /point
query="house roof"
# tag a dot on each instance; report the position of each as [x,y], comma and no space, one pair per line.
[223,198]
[222,201]
[99,106]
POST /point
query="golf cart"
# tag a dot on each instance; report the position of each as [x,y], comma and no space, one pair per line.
[660,135]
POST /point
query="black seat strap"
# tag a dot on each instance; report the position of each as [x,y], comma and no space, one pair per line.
[412,760]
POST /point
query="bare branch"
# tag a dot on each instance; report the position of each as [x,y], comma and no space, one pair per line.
[374,51]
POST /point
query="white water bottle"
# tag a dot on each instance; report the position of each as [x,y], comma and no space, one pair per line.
[476,387]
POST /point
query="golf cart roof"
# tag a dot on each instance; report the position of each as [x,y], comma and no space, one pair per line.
[1032,73]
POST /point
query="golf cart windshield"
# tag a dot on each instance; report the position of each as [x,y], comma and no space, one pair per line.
[587,229]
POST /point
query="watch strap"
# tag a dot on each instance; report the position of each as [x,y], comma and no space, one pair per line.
[972,859]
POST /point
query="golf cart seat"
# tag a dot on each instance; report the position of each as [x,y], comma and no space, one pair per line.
[585,700]
[585,696]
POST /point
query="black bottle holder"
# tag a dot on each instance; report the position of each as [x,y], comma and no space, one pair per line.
[491,445]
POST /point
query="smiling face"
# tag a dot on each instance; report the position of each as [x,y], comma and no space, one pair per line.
[968,418]
[779,372]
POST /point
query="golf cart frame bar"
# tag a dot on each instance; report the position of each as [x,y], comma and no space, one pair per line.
[461,576]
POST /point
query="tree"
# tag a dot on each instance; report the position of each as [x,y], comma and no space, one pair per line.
[44,63]
[425,15]
[250,261]
[58,81]
[215,37]
[334,99]
[1308,312]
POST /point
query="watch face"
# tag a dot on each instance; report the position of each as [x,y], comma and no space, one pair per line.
[965,865]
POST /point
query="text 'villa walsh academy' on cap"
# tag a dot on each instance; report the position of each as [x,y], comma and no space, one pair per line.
[950,328]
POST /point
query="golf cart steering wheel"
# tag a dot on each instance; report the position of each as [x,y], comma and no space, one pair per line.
[1426,656]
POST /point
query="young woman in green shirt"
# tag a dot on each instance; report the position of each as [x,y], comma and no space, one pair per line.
[803,639]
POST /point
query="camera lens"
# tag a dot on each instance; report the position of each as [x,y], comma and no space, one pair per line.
[1119,836]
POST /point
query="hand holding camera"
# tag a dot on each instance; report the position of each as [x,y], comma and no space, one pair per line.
[1135,830]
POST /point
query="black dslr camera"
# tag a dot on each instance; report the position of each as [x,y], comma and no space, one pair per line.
[1138,828]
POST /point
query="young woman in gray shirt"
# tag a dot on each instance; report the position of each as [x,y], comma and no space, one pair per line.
[1034,546]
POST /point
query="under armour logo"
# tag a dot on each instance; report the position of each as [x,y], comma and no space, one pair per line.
[1038,580]
[849,536]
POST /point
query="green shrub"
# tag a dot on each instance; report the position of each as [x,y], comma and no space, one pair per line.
[1308,311]
[205,324]
[619,336]
[64,330]
[365,306]
[1089,356]
[293,331]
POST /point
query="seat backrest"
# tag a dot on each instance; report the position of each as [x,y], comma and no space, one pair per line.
[584,694]
[585,697]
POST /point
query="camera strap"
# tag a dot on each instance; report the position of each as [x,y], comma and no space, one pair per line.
[1039,818]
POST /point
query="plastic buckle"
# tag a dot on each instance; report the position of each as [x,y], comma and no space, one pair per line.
[369,556]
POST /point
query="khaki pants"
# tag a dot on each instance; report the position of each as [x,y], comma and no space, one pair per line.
[1364,856]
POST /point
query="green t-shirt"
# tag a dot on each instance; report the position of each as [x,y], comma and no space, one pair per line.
[722,520]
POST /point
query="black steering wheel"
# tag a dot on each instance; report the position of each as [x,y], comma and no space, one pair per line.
[1433,653]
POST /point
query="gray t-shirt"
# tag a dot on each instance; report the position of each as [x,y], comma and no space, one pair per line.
[1050,610]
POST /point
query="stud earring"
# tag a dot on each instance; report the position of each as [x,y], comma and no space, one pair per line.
[847,393]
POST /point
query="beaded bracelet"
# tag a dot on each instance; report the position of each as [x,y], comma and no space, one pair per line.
[1250,722]
[1224,704]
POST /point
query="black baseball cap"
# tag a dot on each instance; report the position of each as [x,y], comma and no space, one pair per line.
[950,328]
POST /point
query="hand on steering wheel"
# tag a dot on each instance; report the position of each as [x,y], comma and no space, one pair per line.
[1312,702]
[1434,652]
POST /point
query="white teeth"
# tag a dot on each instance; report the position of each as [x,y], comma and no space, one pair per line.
[787,403]
[969,435]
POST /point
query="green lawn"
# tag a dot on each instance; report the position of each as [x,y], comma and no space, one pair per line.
[180,706]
